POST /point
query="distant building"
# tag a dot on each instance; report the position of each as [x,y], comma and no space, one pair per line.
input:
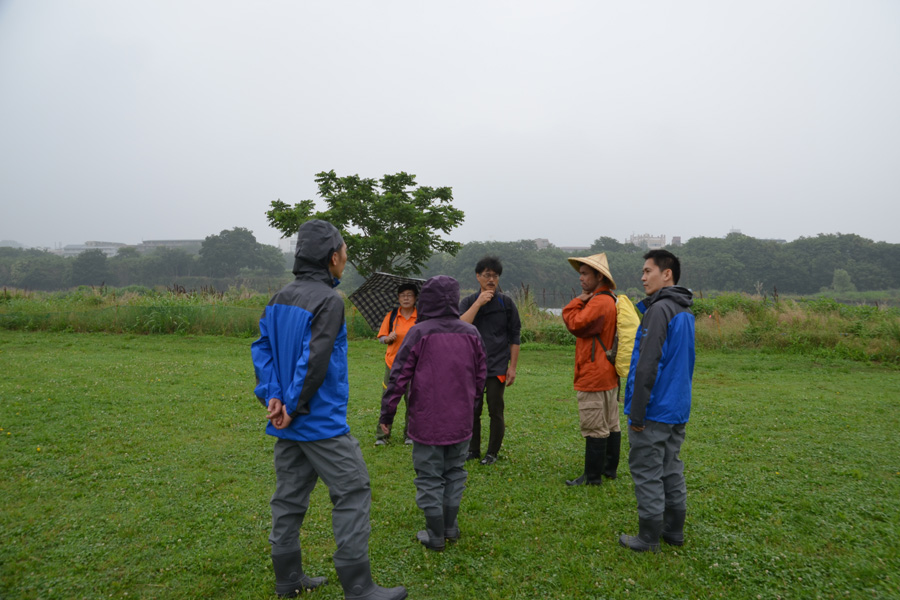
[650,242]
[676,240]
[108,248]
[192,246]
[287,245]
[542,243]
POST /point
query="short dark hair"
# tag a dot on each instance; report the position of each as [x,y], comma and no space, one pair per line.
[489,262]
[408,287]
[665,260]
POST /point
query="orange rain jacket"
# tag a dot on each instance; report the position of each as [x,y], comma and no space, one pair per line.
[586,321]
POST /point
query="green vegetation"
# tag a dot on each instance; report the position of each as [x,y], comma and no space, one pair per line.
[821,327]
[231,258]
[836,264]
[391,225]
[136,467]
[846,267]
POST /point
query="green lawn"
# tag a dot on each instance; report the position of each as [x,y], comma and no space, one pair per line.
[137,467]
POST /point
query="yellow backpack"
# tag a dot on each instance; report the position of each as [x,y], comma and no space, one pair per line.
[627,322]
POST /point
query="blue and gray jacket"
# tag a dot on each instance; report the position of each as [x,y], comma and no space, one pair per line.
[662,362]
[301,354]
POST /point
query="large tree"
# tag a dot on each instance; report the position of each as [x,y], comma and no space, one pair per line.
[90,268]
[224,255]
[390,225]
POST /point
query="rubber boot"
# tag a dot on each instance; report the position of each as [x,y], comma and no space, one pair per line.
[673,526]
[290,581]
[613,447]
[432,537]
[357,582]
[647,538]
[451,525]
[594,454]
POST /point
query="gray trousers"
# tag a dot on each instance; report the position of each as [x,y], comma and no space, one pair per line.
[656,469]
[440,475]
[339,462]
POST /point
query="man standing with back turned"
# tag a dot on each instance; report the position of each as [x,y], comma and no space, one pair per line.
[300,361]
[658,402]
[496,317]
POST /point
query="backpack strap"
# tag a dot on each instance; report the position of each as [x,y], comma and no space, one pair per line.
[392,319]
[610,355]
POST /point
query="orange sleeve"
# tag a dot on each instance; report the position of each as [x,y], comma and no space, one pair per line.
[385,325]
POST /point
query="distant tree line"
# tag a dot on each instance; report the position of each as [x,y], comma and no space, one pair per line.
[224,257]
[737,263]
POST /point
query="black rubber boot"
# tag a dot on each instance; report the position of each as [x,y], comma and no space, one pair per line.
[432,537]
[358,585]
[451,525]
[613,448]
[673,526]
[594,452]
[595,455]
[290,581]
[647,538]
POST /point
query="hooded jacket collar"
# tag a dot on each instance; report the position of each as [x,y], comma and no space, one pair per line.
[439,298]
[317,240]
[680,295]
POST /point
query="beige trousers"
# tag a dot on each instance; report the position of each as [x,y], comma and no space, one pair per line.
[599,413]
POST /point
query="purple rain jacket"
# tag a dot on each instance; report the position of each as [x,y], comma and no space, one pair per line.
[442,360]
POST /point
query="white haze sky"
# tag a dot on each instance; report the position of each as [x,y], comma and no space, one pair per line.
[129,120]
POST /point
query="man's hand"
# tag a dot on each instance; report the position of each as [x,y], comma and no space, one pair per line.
[283,420]
[510,376]
[274,408]
[484,297]
[278,414]
[584,297]
[385,429]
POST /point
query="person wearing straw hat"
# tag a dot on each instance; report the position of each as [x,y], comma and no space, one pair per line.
[591,318]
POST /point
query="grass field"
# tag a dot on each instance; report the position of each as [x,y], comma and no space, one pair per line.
[136,467]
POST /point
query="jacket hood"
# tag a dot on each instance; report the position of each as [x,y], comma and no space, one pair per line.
[439,298]
[680,295]
[316,241]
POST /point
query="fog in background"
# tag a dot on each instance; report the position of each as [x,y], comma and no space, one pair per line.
[126,121]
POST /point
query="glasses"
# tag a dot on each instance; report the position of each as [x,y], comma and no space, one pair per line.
[488,276]
[407,295]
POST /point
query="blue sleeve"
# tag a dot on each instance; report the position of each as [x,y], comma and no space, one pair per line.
[267,386]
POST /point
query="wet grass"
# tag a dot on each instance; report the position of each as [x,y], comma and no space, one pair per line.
[136,467]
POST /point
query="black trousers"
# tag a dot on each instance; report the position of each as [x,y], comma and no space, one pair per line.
[493,391]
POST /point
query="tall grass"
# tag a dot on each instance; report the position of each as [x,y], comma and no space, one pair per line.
[819,326]
[133,310]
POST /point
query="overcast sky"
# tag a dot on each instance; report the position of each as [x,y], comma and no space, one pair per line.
[130,120]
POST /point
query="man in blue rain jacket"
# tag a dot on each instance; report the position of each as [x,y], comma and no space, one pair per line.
[300,361]
[658,403]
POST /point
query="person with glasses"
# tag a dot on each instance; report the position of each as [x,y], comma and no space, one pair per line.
[393,330]
[496,317]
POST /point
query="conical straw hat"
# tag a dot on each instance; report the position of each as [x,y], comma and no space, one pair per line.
[598,262]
